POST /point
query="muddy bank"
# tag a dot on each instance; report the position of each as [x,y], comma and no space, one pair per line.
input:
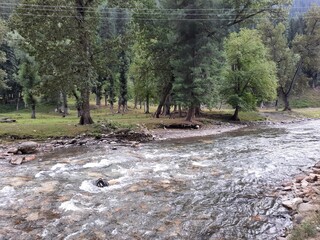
[205,130]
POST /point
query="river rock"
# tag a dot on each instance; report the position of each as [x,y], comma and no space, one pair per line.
[304,183]
[300,178]
[29,158]
[317,165]
[292,204]
[316,170]
[16,160]
[306,207]
[28,147]
[287,188]
[13,150]
[312,178]
[316,190]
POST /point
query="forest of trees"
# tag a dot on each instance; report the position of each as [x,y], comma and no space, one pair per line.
[182,55]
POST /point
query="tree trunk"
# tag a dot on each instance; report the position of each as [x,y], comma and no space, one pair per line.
[33,110]
[119,105]
[235,116]
[167,106]
[164,96]
[111,107]
[78,104]
[17,101]
[180,110]
[65,110]
[98,95]
[135,103]
[85,107]
[106,99]
[147,104]
[198,111]
[191,114]
[285,98]
[84,41]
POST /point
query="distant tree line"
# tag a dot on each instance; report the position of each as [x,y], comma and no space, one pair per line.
[181,55]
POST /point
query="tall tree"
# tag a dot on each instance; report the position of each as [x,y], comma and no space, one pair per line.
[193,60]
[61,40]
[29,80]
[307,45]
[274,36]
[249,75]
[3,30]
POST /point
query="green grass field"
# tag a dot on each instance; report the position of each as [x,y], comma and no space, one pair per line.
[50,124]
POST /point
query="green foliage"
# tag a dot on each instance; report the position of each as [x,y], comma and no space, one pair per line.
[307,44]
[194,60]
[249,75]
[29,79]
[3,30]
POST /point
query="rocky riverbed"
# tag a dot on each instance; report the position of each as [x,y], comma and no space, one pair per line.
[302,196]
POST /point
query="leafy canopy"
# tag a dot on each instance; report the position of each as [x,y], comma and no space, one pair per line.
[249,75]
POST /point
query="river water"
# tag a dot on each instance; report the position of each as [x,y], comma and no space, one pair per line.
[217,187]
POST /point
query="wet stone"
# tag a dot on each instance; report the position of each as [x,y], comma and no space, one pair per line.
[292,204]
[300,178]
[16,160]
[306,207]
[102,183]
[28,147]
[29,158]
[317,165]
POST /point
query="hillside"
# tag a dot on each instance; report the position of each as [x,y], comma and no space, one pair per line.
[301,6]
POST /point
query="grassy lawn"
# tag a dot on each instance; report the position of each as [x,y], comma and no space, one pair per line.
[49,124]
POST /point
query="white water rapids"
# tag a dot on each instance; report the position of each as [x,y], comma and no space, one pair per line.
[216,187]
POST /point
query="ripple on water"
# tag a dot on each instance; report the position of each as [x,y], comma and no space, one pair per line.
[70,206]
[7,190]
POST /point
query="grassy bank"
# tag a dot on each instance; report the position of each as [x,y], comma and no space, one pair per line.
[50,124]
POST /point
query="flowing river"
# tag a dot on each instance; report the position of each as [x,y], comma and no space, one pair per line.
[216,187]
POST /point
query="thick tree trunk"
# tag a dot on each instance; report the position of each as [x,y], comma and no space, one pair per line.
[198,111]
[165,93]
[85,117]
[98,96]
[78,104]
[167,106]
[33,110]
[106,99]
[65,110]
[180,110]
[285,98]
[17,101]
[111,107]
[191,114]
[84,41]
[235,116]
[135,103]
[147,105]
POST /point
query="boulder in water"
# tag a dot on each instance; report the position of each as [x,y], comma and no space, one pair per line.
[28,147]
[102,183]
